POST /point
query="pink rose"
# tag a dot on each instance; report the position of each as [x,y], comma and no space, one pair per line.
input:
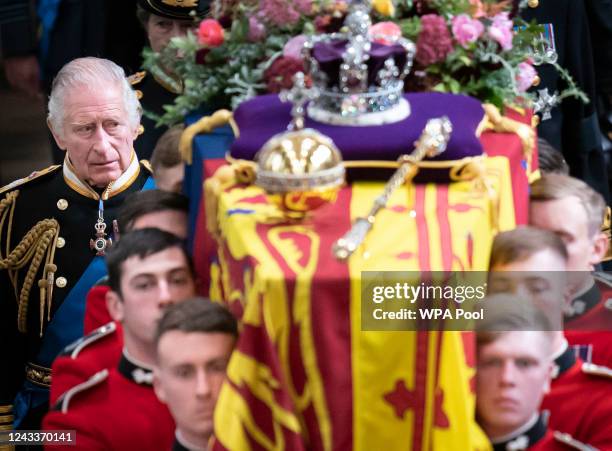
[525,76]
[210,33]
[257,31]
[293,47]
[466,30]
[501,30]
[385,32]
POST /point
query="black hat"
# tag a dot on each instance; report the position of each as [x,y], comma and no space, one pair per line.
[176,9]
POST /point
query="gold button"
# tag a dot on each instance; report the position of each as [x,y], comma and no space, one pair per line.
[536,80]
[61,282]
[533,3]
[62,204]
[535,120]
[138,94]
[140,129]
[61,242]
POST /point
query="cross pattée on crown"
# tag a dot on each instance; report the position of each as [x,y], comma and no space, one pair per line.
[298,95]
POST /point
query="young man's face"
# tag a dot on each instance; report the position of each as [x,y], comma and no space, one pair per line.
[170,178]
[540,277]
[513,374]
[148,286]
[188,377]
[568,219]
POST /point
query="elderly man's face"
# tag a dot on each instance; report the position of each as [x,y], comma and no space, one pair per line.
[97,134]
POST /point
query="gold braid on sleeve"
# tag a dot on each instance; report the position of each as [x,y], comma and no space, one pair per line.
[37,245]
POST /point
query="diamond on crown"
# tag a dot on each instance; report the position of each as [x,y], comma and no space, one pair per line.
[360,81]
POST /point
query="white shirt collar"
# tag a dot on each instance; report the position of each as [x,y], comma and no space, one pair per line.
[119,185]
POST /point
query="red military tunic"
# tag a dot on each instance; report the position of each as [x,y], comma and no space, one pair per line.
[85,357]
[115,410]
[96,312]
[538,438]
[590,324]
[580,401]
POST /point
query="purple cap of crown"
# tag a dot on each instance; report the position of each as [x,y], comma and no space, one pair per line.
[330,56]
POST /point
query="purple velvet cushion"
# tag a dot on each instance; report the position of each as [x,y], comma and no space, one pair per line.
[329,57]
[262,117]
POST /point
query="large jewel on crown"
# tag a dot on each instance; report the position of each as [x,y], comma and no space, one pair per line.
[360,77]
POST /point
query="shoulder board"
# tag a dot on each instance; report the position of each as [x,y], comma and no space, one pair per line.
[34,175]
[63,401]
[136,78]
[597,370]
[147,165]
[571,442]
[603,277]
[73,349]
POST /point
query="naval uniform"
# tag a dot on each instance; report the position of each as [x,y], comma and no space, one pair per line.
[153,95]
[116,409]
[579,400]
[573,127]
[589,325]
[48,262]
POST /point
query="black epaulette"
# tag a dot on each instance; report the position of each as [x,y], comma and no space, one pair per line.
[147,165]
[63,401]
[603,277]
[74,348]
[571,442]
[596,370]
[33,176]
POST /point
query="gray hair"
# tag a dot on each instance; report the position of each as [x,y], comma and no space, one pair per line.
[90,72]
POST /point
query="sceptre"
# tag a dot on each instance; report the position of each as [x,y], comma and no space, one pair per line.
[432,142]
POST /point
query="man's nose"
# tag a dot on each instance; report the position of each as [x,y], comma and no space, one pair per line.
[202,383]
[177,30]
[101,139]
[165,294]
[508,373]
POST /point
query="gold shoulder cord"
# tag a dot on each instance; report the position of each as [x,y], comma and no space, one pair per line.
[38,244]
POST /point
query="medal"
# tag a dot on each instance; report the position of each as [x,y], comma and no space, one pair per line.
[100,242]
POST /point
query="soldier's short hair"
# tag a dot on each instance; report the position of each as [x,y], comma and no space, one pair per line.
[196,315]
[166,152]
[94,73]
[550,159]
[144,202]
[141,243]
[558,186]
[506,313]
[521,243]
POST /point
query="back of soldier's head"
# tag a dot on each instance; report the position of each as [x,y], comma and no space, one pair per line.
[550,160]
[144,208]
[523,242]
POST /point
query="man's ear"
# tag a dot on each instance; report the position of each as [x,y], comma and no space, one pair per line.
[158,386]
[600,248]
[115,306]
[58,138]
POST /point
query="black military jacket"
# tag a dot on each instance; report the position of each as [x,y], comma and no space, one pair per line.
[573,128]
[153,95]
[52,194]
